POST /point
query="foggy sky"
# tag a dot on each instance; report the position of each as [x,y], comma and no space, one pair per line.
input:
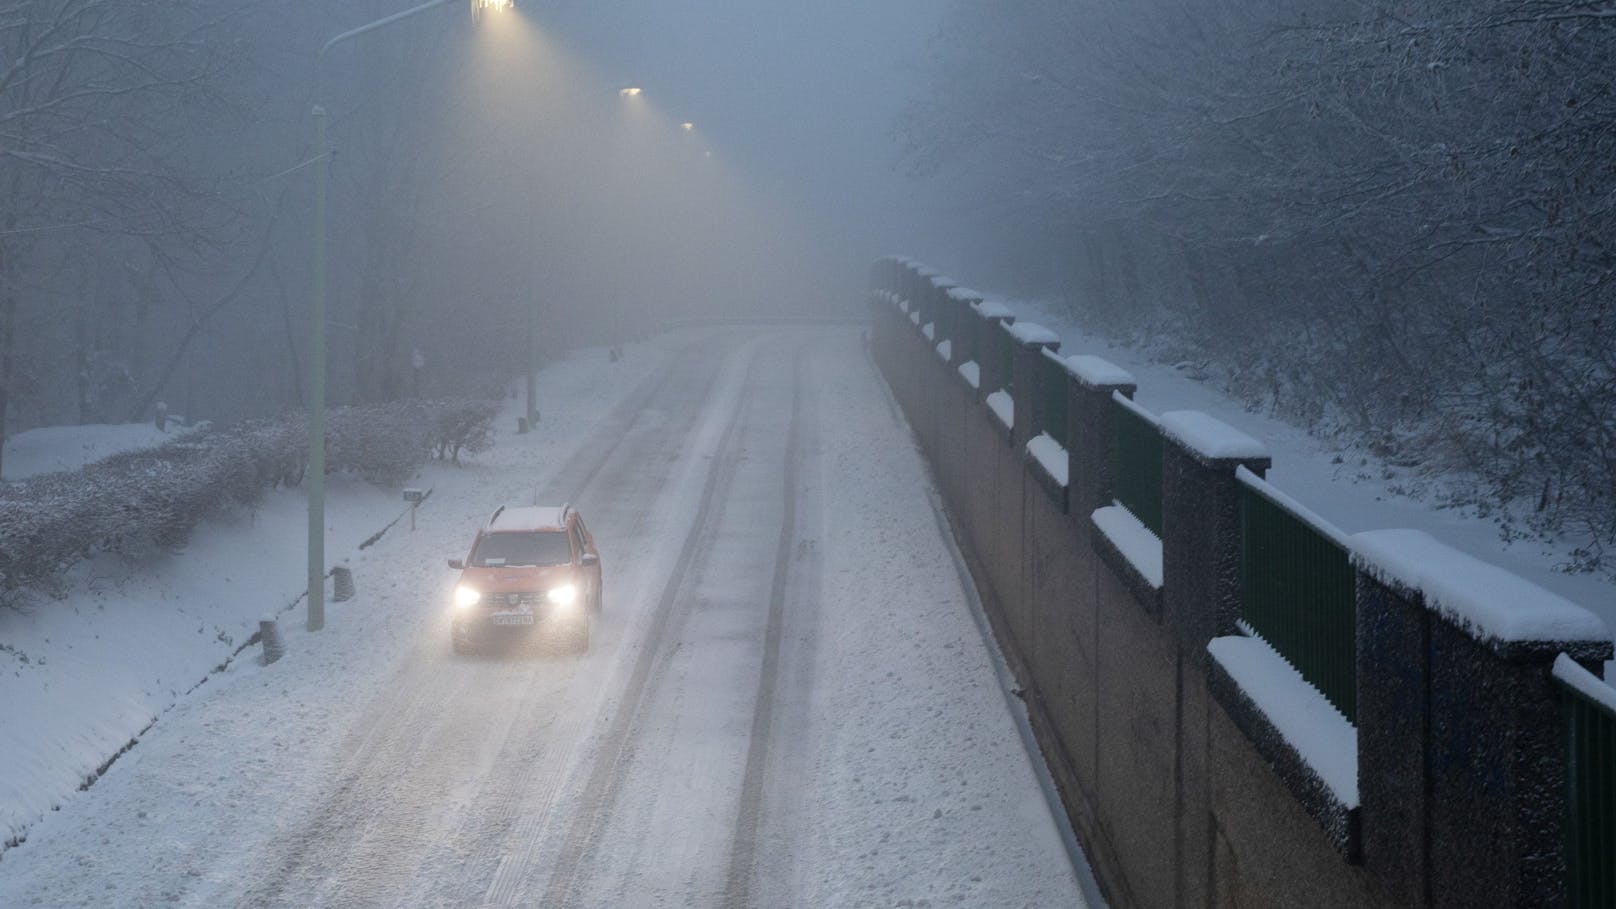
[798,98]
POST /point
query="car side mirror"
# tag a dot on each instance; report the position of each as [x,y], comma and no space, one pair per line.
[589,558]
[457,564]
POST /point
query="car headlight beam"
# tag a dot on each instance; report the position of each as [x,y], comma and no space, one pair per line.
[564,595]
[467,597]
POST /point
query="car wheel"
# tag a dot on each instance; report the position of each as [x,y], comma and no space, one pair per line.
[594,603]
[580,635]
[459,645]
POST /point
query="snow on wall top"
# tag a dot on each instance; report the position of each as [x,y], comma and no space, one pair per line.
[972,374]
[1097,371]
[1319,733]
[993,309]
[1032,333]
[1589,685]
[1210,437]
[965,294]
[942,283]
[1051,456]
[1003,407]
[1486,601]
[1133,539]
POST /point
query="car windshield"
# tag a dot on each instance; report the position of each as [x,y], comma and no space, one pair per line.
[548,547]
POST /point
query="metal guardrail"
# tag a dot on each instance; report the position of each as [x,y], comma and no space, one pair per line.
[1297,590]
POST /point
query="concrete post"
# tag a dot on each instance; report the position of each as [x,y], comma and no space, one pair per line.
[1088,419]
[1201,524]
[1027,379]
[987,321]
[342,584]
[1461,755]
[269,635]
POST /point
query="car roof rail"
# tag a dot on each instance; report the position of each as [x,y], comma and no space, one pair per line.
[566,509]
[495,516]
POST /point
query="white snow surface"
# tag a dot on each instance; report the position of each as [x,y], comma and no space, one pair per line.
[1487,601]
[1591,686]
[1051,455]
[972,373]
[929,330]
[1309,723]
[993,309]
[1032,333]
[1133,539]
[371,767]
[54,448]
[945,350]
[964,294]
[1097,371]
[1209,436]
[1003,407]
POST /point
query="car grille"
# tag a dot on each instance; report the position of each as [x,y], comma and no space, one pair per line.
[500,601]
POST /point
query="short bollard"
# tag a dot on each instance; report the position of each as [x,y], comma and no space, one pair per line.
[269,634]
[342,581]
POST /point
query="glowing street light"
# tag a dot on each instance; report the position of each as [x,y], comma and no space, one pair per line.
[688,127]
[630,92]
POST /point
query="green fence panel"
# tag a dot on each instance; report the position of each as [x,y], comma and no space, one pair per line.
[1136,464]
[1590,801]
[1296,593]
[1052,397]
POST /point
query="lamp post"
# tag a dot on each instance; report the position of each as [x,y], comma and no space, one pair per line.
[316,469]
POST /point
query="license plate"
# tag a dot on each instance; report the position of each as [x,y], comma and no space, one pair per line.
[512,618]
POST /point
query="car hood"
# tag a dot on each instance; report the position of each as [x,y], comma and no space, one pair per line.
[516,580]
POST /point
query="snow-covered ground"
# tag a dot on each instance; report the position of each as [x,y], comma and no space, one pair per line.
[788,700]
[54,448]
[1348,487]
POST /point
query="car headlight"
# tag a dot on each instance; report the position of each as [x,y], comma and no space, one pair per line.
[565,595]
[467,597]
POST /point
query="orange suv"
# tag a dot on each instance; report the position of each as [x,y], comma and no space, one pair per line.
[532,571]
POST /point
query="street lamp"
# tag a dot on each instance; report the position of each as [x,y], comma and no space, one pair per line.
[316,468]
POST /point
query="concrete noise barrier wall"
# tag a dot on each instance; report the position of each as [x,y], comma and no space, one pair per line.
[1201,762]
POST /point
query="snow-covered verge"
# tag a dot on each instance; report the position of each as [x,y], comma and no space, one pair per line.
[1345,483]
[55,448]
[918,773]
[120,640]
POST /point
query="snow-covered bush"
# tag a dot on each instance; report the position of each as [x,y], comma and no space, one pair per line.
[466,425]
[136,501]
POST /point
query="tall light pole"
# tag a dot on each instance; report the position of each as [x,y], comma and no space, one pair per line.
[316,469]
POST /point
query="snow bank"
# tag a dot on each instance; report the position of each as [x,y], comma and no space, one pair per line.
[1031,333]
[1133,539]
[1003,407]
[1315,729]
[1211,438]
[1487,601]
[1051,455]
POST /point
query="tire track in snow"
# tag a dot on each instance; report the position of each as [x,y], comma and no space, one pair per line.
[612,755]
[743,845]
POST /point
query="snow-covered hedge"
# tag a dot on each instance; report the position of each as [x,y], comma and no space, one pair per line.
[135,501]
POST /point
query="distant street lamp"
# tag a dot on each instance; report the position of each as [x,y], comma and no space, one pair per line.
[630,92]
[316,467]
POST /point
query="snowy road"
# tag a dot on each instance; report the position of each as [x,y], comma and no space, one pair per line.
[786,702]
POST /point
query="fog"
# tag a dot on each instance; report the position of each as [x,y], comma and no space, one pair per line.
[489,183]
